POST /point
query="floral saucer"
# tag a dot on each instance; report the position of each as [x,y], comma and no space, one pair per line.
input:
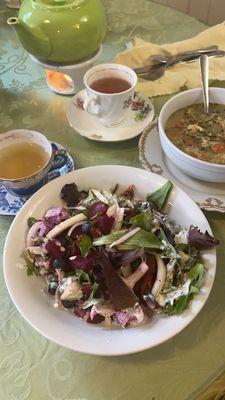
[139,112]
[62,164]
[208,195]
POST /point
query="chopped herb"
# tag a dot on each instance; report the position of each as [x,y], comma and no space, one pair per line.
[30,265]
[82,277]
[85,245]
[94,289]
[31,221]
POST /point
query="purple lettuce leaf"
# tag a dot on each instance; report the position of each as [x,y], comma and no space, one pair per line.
[200,240]
[97,208]
[70,194]
[125,257]
[121,296]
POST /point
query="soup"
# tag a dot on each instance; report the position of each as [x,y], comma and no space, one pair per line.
[21,159]
[198,134]
[110,85]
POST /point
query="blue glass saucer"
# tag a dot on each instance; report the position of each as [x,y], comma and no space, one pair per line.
[62,164]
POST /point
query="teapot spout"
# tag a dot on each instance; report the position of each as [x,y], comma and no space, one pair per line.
[33,39]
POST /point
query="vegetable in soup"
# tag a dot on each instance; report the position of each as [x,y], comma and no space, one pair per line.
[198,134]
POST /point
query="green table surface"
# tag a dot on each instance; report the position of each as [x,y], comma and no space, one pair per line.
[32,367]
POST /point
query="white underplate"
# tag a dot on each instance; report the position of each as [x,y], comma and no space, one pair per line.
[208,195]
[137,116]
[63,327]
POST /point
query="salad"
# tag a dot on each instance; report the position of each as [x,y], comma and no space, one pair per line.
[112,259]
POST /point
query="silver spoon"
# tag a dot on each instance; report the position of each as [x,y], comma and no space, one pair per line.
[183,57]
[204,65]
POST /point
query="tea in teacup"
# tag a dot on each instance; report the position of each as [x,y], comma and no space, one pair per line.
[22,159]
[25,160]
[110,85]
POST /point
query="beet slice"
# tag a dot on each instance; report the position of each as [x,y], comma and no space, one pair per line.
[97,319]
[144,285]
[97,208]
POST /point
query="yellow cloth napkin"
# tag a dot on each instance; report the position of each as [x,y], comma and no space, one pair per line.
[180,75]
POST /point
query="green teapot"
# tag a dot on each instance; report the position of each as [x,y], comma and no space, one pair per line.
[60,31]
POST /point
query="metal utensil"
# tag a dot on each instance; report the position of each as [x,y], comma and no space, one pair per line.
[157,69]
[160,58]
[204,66]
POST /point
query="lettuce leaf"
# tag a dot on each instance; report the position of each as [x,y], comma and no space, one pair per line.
[91,301]
[82,277]
[160,196]
[30,265]
[141,239]
[142,220]
[108,239]
[144,239]
[200,240]
[85,245]
[94,289]
[196,274]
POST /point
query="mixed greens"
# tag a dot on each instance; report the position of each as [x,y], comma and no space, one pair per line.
[116,260]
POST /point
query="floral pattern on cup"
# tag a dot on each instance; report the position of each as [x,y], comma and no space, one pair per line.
[79,103]
[138,104]
[135,102]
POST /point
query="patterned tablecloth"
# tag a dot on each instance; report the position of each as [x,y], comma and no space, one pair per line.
[31,367]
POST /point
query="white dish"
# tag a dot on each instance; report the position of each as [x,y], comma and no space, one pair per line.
[139,114]
[68,330]
[189,165]
[209,196]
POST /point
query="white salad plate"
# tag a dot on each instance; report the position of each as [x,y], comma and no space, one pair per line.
[138,113]
[63,327]
[209,196]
